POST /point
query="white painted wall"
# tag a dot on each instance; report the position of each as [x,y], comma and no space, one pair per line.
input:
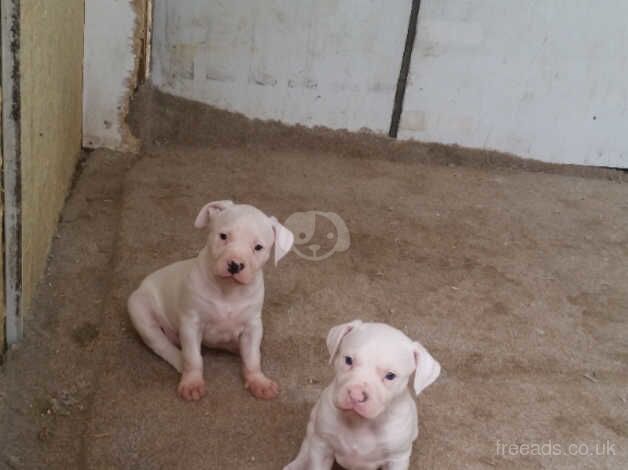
[545,79]
[540,79]
[108,67]
[314,62]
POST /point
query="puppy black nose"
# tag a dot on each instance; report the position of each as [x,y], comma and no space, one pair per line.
[234,267]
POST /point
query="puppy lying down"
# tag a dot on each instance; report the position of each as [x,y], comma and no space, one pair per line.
[366,418]
[214,299]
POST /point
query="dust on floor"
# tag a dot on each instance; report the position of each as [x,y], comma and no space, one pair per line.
[514,280]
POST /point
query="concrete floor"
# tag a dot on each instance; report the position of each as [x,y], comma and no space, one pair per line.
[512,274]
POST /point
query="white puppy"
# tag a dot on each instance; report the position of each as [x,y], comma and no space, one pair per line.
[366,418]
[214,299]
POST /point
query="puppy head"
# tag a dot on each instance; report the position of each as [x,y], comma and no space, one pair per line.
[374,363]
[240,239]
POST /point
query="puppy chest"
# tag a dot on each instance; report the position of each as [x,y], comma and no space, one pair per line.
[358,450]
[356,461]
[223,325]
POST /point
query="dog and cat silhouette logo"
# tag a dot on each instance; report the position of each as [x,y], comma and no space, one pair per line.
[318,235]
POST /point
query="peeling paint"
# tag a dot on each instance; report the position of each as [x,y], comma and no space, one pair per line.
[308,83]
[218,76]
[114,39]
[183,61]
[129,142]
[263,79]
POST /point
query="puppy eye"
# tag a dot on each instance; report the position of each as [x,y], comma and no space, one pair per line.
[258,247]
[348,360]
[223,236]
[391,376]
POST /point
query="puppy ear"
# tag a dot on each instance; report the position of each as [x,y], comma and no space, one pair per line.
[283,239]
[335,335]
[209,209]
[427,368]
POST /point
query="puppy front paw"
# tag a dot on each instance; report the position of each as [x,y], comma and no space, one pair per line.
[191,387]
[261,386]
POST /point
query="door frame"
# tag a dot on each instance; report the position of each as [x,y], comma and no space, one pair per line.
[11,169]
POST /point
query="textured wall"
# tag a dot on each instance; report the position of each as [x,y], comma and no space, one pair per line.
[537,78]
[51,57]
[113,33]
[333,63]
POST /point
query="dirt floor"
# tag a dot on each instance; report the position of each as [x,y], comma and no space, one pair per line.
[512,273]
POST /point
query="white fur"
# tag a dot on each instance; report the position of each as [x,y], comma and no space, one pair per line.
[201,301]
[364,420]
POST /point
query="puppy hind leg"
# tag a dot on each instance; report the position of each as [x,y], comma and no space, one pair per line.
[301,461]
[143,319]
[313,454]
[402,463]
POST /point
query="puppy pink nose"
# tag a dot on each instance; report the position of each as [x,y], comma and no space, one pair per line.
[234,267]
[357,394]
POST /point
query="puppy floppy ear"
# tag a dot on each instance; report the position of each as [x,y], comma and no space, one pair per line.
[427,368]
[283,239]
[335,335]
[209,209]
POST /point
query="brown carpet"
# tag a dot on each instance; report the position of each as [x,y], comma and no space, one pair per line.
[514,280]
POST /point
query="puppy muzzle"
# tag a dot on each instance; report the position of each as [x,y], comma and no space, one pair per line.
[233,265]
[359,398]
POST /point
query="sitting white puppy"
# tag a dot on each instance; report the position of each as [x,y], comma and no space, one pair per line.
[214,299]
[366,418]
